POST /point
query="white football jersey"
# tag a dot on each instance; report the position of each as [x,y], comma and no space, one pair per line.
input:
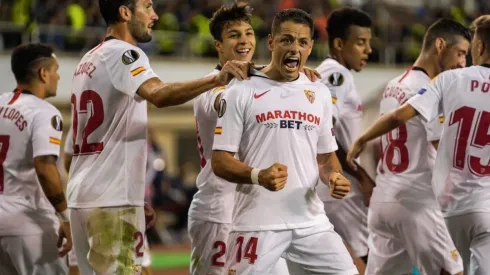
[461,179]
[29,127]
[68,148]
[109,127]
[407,154]
[265,121]
[347,112]
[214,200]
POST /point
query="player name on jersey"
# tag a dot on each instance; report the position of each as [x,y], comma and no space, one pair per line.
[15,116]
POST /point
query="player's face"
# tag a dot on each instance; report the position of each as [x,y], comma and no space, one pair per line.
[238,42]
[290,46]
[357,47]
[142,21]
[52,79]
[454,56]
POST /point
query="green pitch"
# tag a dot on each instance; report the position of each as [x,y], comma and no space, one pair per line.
[169,260]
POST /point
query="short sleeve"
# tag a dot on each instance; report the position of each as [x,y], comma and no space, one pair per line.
[339,87]
[231,118]
[208,99]
[428,100]
[69,142]
[129,69]
[47,128]
[326,139]
[434,128]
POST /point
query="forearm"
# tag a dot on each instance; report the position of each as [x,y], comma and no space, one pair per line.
[227,167]
[170,94]
[50,181]
[360,174]
[383,125]
[328,163]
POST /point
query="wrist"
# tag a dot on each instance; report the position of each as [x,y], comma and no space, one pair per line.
[254,175]
[64,215]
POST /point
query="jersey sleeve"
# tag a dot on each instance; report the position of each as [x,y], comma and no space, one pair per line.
[428,100]
[326,140]
[69,142]
[129,69]
[339,87]
[231,118]
[434,128]
[209,99]
[47,128]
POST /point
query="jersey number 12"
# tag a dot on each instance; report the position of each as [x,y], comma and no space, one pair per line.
[94,121]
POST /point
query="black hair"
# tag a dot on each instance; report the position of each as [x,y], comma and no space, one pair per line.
[226,15]
[340,20]
[446,29]
[110,9]
[26,56]
[294,15]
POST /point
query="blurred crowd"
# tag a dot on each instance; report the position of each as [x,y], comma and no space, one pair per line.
[183,25]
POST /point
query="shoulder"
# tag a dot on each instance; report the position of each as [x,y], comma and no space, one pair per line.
[334,74]
[121,52]
[47,112]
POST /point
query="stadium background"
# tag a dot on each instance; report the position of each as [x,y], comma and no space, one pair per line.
[182,49]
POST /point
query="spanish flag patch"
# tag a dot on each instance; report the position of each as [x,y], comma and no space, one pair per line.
[218,130]
[334,99]
[56,141]
[441,119]
[137,71]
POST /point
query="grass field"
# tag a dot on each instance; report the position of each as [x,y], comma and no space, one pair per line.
[170,260]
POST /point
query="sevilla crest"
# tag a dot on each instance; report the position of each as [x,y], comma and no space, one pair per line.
[310,95]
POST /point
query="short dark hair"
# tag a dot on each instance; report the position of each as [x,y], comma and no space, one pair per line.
[110,9]
[24,57]
[446,29]
[226,15]
[295,15]
[340,20]
[481,27]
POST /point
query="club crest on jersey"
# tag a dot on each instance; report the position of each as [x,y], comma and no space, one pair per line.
[310,95]
[336,79]
[222,107]
[129,57]
[57,123]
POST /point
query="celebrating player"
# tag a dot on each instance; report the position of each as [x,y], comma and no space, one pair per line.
[461,179]
[30,183]
[349,36]
[107,175]
[279,124]
[405,169]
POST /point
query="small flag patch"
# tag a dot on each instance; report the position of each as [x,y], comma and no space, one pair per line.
[334,99]
[218,130]
[56,141]
[441,119]
[137,71]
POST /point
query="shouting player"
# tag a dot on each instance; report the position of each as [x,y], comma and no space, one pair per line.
[210,213]
[30,183]
[461,179]
[403,182]
[349,36]
[279,124]
[110,89]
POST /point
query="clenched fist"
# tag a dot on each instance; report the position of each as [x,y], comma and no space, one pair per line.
[339,185]
[274,178]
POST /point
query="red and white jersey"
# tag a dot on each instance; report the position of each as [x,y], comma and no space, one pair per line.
[29,127]
[347,112]
[109,127]
[265,121]
[214,200]
[461,179]
[407,154]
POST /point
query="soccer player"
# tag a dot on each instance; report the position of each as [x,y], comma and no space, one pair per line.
[72,259]
[279,125]
[30,183]
[210,213]
[403,182]
[110,89]
[461,179]
[349,36]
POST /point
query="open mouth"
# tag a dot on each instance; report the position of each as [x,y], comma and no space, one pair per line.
[243,52]
[291,63]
